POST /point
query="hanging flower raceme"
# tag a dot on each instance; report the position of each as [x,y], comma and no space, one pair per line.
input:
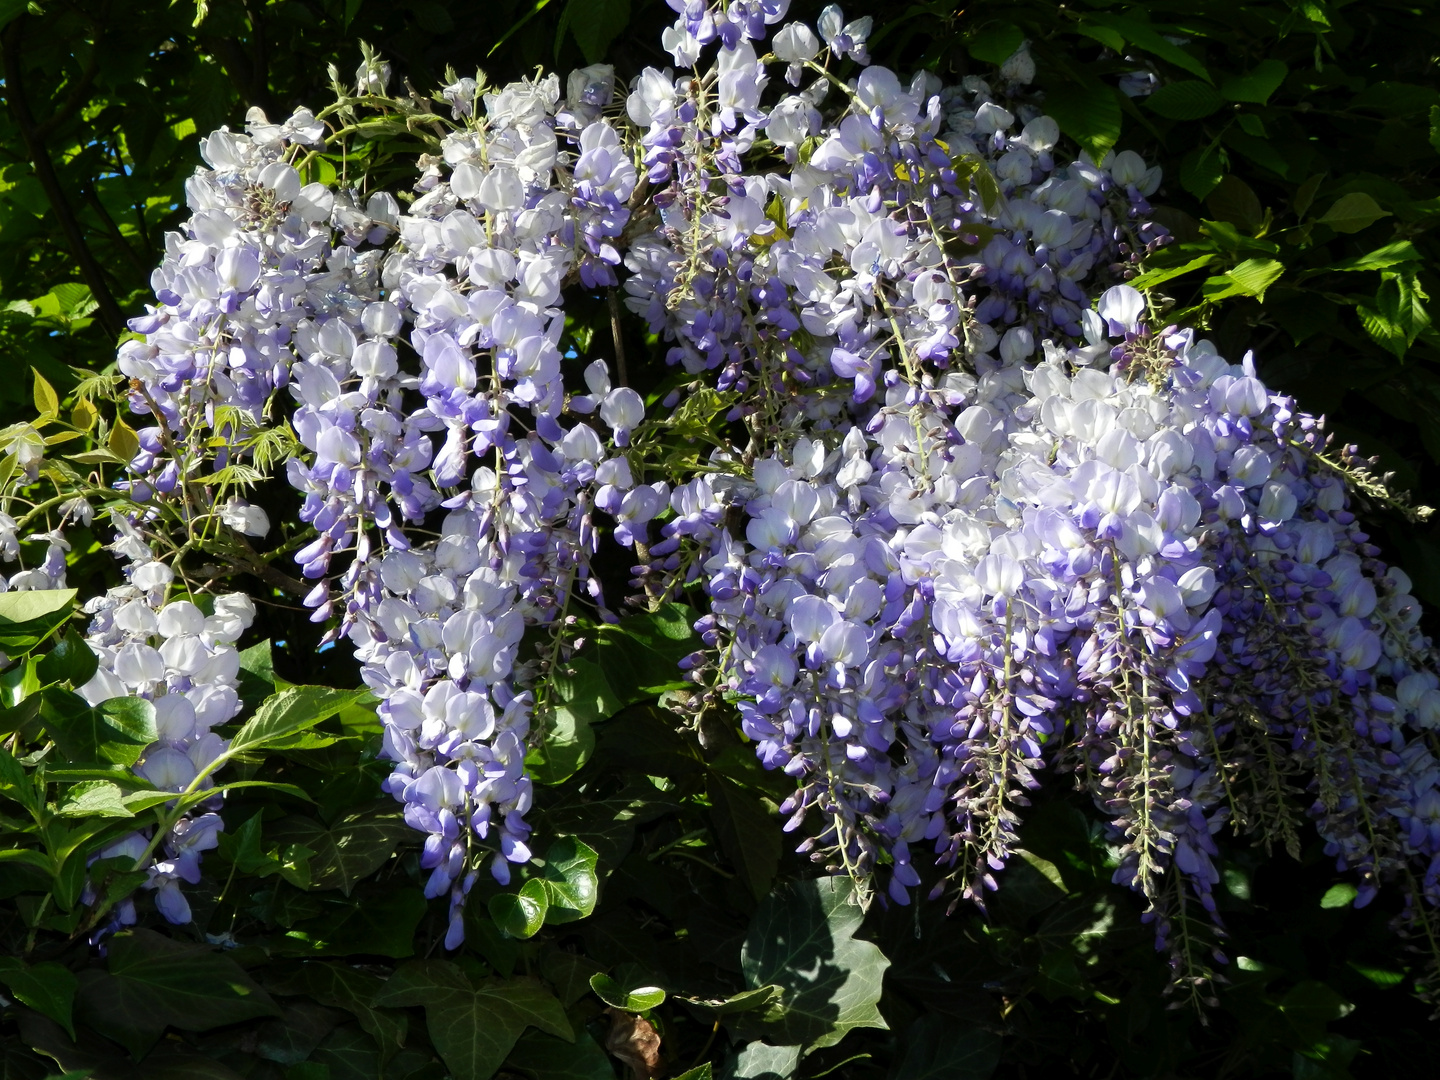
[974,515]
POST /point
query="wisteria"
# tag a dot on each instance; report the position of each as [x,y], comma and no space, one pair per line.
[976,513]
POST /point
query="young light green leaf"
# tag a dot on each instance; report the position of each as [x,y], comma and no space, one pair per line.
[33,604]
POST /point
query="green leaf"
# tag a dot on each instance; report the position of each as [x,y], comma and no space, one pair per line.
[1151,278]
[521,914]
[637,1000]
[939,1048]
[29,605]
[545,1057]
[1401,251]
[70,660]
[1088,112]
[1250,278]
[761,1061]
[595,24]
[700,1072]
[1188,99]
[1235,201]
[117,730]
[474,1027]
[1353,212]
[343,987]
[571,884]
[1200,171]
[27,617]
[293,709]
[348,850]
[1399,315]
[803,940]
[748,833]
[94,798]
[154,982]
[1435,128]
[47,988]
[1144,36]
[380,925]
[1339,896]
[995,42]
[1256,87]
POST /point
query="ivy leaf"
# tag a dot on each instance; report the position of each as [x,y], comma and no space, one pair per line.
[474,1027]
[939,1048]
[70,660]
[522,913]
[154,982]
[1353,212]
[47,988]
[348,850]
[545,1057]
[292,709]
[571,884]
[116,730]
[1188,99]
[803,940]
[638,1000]
[344,987]
[761,1061]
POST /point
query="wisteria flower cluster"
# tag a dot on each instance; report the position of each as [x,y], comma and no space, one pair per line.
[974,513]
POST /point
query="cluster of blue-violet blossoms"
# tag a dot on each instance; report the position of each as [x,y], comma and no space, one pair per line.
[987,526]
[975,515]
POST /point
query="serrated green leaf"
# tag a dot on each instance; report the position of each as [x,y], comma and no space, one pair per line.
[1353,212]
[94,798]
[995,42]
[1188,99]
[1250,278]
[1152,278]
[1339,896]
[292,709]
[1256,86]
[1089,113]
[1402,251]
[1142,35]
[802,939]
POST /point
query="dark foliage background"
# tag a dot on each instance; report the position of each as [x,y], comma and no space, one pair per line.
[1301,146]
